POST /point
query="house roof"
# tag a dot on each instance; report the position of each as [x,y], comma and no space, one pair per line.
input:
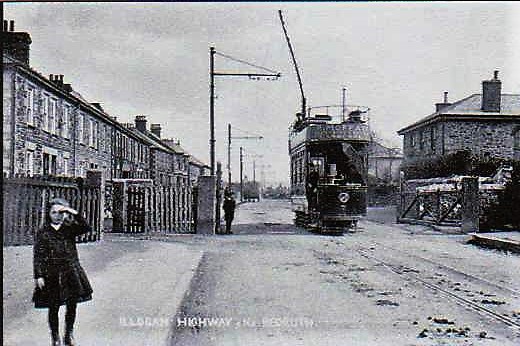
[470,108]
[196,162]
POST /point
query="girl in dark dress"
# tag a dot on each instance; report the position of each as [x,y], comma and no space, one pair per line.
[59,277]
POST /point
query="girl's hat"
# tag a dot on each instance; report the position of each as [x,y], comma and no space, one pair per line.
[59,201]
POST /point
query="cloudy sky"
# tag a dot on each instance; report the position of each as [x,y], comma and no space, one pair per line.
[153,59]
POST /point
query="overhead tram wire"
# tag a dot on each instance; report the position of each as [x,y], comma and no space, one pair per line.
[245,62]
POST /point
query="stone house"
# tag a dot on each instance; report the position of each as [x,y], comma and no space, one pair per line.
[197,168]
[486,124]
[384,163]
[48,128]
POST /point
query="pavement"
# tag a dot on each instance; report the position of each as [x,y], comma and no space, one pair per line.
[138,289]
[141,284]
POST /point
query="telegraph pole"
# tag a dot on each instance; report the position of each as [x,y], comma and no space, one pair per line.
[229,155]
[343,104]
[212,109]
[254,172]
[241,175]
[271,74]
[229,149]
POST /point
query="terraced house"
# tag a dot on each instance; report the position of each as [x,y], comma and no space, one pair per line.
[50,130]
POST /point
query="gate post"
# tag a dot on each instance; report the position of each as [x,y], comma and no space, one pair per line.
[470,205]
[219,198]
[207,204]
[95,180]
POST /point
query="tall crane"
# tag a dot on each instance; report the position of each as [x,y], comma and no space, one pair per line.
[304,102]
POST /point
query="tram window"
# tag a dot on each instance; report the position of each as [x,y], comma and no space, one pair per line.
[319,163]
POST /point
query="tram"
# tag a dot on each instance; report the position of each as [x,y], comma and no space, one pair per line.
[329,170]
[329,163]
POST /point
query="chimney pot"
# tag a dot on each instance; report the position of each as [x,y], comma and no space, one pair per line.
[156,129]
[6,25]
[495,74]
[61,79]
[445,103]
[11,24]
[140,123]
[51,77]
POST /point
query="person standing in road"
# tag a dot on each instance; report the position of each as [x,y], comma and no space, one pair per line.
[229,210]
[312,187]
[59,277]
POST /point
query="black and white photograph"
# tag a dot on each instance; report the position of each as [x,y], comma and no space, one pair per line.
[261,173]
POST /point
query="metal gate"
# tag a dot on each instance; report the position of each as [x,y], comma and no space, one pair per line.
[438,203]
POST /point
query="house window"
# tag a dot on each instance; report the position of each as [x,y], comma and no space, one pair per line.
[90,132]
[45,119]
[95,134]
[66,166]
[64,127]
[422,140]
[29,162]
[29,104]
[51,114]
[412,139]
[80,128]
[516,144]
[432,139]
[49,164]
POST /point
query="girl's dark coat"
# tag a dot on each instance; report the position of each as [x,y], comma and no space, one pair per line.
[56,261]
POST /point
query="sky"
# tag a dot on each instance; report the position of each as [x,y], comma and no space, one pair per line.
[153,59]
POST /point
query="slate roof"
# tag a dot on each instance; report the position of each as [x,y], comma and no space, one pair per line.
[469,107]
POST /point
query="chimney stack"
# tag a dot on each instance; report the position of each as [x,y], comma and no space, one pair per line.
[140,123]
[156,129]
[16,44]
[445,103]
[491,94]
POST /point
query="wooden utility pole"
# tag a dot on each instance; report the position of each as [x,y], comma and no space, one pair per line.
[229,156]
[212,73]
[241,175]
[212,109]
[229,149]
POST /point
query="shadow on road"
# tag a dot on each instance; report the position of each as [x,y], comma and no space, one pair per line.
[266,228]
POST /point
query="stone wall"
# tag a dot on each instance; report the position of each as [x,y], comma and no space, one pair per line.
[494,139]
[483,138]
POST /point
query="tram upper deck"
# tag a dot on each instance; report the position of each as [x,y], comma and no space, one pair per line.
[317,130]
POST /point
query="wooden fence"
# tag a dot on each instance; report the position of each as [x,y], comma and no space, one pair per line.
[26,199]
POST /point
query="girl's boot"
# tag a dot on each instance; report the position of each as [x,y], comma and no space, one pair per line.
[68,339]
[55,339]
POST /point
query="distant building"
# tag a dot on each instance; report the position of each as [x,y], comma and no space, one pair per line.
[384,163]
[486,124]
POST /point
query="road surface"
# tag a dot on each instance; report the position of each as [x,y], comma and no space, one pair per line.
[271,283]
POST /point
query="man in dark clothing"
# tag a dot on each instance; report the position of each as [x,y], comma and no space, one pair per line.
[229,211]
[312,187]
